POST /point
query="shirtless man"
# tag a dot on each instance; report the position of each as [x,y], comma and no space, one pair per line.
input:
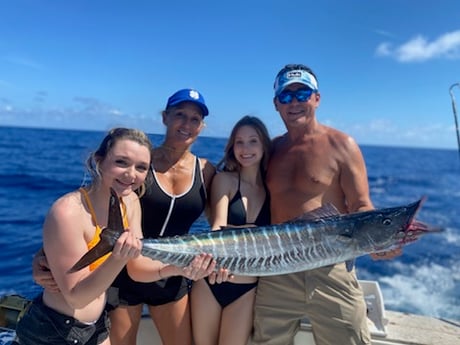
[311,165]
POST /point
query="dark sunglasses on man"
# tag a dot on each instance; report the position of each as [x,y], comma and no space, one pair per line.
[302,95]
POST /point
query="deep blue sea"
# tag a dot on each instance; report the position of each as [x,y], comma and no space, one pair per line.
[39,165]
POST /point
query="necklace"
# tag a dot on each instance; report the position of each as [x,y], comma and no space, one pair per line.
[175,159]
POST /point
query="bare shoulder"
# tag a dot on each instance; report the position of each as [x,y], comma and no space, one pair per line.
[64,213]
[340,140]
[132,200]
[278,140]
[208,170]
[68,205]
[205,162]
[226,177]
[225,182]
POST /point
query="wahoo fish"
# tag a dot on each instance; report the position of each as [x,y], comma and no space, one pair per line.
[315,239]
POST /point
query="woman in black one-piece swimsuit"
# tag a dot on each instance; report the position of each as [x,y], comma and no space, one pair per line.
[175,199]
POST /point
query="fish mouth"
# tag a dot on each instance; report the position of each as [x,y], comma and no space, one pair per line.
[416,229]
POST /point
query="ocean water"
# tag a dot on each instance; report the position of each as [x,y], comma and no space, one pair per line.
[39,165]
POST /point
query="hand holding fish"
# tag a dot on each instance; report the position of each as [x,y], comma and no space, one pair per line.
[220,276]
[127,246]
[201,266]
[387,254]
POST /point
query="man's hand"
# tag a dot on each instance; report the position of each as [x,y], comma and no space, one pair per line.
[41,272]
[387,254]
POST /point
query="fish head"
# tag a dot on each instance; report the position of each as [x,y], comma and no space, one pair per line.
[395,226]
[383,228]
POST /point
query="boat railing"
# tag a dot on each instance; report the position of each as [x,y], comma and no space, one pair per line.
[454,108]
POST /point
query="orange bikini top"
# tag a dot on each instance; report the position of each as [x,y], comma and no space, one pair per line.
[96,237]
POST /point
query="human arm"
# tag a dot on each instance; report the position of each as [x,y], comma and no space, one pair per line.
[220,194]
[353,178]
[354,182]
[219,200]
[41,272]
[208,171]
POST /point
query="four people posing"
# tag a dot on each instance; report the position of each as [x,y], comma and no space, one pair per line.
[311,164]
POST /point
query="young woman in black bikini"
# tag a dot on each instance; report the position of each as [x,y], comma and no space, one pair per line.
[222,313]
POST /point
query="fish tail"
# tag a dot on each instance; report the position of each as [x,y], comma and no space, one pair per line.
[108,236]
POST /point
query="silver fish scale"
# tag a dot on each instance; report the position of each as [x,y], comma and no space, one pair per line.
[288,247]
[244,252]
[318,238]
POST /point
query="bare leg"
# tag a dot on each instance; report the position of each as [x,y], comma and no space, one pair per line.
[206,314]
[236,323]
[125,324]
[173,322]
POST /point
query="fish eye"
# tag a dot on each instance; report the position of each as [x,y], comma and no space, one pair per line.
[386,221]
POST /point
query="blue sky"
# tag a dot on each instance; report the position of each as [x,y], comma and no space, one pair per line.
[384,66]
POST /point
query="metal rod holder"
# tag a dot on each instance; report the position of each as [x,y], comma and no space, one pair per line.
[454,108]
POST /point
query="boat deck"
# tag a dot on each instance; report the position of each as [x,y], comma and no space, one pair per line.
[401,329]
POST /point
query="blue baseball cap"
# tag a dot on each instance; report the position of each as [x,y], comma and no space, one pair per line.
[295,76]
[188,95]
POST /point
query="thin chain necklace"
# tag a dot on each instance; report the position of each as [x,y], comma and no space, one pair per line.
[179,163]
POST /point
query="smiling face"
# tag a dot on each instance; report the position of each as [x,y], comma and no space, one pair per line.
[295,112]
[125,167]
[248,148]
[183,123]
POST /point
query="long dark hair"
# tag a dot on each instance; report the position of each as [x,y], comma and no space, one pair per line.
[229,162]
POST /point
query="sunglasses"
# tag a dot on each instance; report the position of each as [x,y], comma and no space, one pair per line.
[302,95]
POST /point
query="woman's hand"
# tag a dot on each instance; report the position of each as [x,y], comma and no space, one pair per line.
[41,273]
[201,266]
[127,247]
[220,276]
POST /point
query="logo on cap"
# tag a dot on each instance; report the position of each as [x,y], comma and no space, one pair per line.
[294,74]
[194,94]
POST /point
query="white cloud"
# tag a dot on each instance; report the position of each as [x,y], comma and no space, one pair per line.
[446,46]
[23,61]
[383,131]
[383,33]
[87,113]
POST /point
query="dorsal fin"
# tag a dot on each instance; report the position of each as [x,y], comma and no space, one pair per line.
[326,210]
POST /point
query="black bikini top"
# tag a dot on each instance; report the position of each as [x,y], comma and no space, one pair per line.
[237,213]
